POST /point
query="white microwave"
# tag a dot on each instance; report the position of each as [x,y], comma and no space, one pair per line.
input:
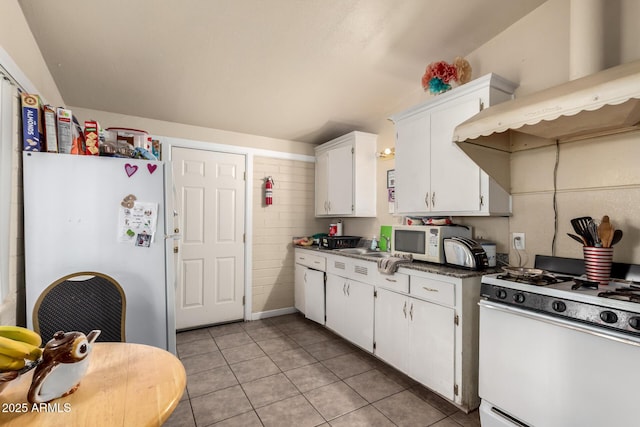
[425,242]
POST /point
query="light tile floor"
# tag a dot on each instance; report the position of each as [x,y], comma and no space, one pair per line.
[289,371]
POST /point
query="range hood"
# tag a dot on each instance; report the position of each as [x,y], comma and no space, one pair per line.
[603,103]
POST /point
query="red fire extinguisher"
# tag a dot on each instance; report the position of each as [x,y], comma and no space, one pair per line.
[268,191]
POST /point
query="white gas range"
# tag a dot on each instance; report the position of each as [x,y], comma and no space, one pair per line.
[558,352]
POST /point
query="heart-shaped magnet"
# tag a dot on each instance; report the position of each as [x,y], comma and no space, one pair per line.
[130,169]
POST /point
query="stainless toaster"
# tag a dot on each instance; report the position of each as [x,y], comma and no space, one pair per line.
[466,253]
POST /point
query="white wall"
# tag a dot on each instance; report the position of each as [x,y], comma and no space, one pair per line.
[535,53]
[21,56]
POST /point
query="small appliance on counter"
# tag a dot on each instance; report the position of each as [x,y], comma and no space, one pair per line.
[425,242]
[466,253]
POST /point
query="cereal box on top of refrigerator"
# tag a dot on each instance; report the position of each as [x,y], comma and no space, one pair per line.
[51,133]
[32,137]
[65,130]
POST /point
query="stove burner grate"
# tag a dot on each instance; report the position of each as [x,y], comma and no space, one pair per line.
[623,294]
[536,280]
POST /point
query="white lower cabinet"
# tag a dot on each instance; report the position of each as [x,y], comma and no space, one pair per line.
[417,338]
[298,291]
[392,329]
[421,323]
[349,310]
[314,295]
[431,346]
[309,284]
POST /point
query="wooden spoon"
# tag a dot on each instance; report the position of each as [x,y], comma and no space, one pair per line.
[605,232]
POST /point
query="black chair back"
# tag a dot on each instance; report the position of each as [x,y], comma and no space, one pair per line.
[82,302]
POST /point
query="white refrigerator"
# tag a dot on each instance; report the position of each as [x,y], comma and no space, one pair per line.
[105,215]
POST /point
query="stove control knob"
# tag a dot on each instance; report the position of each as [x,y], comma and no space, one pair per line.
[501,293]
[634,322]
[519,298]
[558,306]
[608,316]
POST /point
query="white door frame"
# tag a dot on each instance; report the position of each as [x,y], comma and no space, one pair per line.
[249,153]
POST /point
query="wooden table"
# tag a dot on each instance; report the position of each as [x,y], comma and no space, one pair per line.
[125,385]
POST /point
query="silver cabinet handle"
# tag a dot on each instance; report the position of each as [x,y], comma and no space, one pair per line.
[430,289]
[426,199]
[433,199]
[348,288]
[305,277]
[411,312]
[404,309]
[390,280]
[344,288]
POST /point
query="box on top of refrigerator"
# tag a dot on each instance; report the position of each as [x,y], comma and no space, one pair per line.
[65,130]
[91,138]
[51,133]
[32,137]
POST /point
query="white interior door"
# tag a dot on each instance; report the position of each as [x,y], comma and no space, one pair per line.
[210,189]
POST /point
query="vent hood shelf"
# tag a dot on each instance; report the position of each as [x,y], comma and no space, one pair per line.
[603,103]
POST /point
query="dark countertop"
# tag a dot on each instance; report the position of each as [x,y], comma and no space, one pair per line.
[427,267]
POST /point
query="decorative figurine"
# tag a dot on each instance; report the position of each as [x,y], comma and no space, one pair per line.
[65,360]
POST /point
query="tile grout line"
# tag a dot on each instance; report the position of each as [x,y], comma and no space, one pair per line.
[288,332]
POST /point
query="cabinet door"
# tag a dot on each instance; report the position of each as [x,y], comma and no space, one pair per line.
[358,314]
[455,178]
[321,185]
[413,157]
[431,343]
[340,179]
[335,294]
[392,328]
[314,295]
[299,287]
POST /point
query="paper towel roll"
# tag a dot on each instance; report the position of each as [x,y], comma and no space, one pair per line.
[490,249]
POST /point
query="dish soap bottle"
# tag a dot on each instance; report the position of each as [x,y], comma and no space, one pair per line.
[374,244]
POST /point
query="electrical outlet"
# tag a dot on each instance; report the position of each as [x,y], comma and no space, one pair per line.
[518,241]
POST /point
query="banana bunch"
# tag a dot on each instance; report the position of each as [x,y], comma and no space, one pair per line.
[17,345]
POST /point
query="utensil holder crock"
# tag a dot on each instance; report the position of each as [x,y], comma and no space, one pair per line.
[597,263]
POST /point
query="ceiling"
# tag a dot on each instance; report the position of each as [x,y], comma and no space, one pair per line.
[304,70]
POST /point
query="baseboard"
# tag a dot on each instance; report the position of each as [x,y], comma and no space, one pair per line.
[273,313]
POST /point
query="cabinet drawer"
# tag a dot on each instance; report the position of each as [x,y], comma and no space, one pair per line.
[363,271]
[311,260]
[396,282]
[433,290]
[337,265]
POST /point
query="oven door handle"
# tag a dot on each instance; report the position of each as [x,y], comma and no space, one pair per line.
[569,324]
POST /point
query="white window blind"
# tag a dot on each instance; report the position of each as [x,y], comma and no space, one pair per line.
[9,123]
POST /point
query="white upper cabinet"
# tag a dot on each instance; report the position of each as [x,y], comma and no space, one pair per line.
[346,176]
[433,175]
